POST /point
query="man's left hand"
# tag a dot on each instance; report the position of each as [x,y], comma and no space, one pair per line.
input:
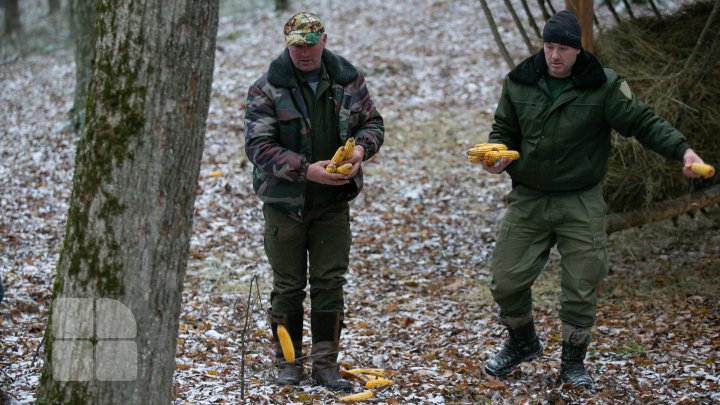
[689,158]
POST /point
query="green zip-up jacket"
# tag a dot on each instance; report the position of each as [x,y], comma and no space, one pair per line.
[565,145]
[278,134]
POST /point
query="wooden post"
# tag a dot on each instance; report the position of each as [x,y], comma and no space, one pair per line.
[583,9]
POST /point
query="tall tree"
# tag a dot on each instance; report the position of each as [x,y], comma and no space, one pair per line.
[12,16]
[282,5]
[82,30]
[128,227]
[53,6]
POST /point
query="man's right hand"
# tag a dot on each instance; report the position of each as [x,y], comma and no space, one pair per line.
[316,173]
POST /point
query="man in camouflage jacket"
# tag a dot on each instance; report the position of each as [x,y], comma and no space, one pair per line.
[307,105]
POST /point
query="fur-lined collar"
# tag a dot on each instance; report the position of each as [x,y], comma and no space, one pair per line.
[281,72]
[587,71]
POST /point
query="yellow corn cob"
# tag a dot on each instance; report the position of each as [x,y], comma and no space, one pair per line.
[702,169]
[378,372]
[339,155]
[491,146]
[286,343]
[491,157]
[378,383]
[361,396]
[362,379]
[331,168]
[475,158]
[344,169]
[509,154]
[349,148]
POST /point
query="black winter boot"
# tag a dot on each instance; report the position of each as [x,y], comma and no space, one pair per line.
[574,347]
[289,373]
[326,327]
[521,345]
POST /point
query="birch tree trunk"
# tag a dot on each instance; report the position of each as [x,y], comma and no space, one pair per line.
[112,332]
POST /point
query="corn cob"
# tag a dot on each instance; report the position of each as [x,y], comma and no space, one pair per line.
[490,146]
[286,343]
[702,169]
[491,157]
[509,154]
[378,372]
[344,169]
[349,148]
[361,396]
[362,379]
[331,168]
[378,383]
[475,158]
[339,155]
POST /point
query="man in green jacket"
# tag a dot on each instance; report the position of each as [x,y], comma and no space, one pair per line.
[557,109]
[307,105]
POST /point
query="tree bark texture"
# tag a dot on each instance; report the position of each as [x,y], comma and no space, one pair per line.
[11,12]
[663,210]
[82,30]
[130,217]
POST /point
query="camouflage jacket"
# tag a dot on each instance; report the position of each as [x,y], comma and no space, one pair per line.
[278,137]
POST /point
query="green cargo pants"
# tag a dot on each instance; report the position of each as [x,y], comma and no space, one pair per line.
[533,224]
[324,237]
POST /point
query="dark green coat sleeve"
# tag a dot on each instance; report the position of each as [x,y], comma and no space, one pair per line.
[631,117]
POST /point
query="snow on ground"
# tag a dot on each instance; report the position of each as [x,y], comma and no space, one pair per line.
[417,300]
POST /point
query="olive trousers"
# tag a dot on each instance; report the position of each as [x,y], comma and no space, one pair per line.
[533,224]
[320,243]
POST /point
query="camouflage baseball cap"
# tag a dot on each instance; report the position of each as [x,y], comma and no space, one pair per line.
[303,28]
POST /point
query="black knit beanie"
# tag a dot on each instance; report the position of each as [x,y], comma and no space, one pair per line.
[563,28]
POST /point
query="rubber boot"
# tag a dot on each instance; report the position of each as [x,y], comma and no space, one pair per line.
[575,342]
[521,345]
[326,327]
[289,373]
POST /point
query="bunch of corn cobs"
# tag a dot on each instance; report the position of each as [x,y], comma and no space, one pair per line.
[490,153]
[370,378]
[341,154]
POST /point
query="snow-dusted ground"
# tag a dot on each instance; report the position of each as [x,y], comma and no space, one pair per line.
[417,301]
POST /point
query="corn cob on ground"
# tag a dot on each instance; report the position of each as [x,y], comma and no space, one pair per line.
[361,396]
[378,383]
[378,372]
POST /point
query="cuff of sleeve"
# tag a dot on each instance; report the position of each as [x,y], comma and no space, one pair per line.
[302,173]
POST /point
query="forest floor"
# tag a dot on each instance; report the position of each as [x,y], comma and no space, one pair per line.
[417,298]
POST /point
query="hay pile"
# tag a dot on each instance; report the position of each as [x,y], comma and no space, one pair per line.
[651,54]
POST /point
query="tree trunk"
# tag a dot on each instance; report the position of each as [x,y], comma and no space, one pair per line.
[583,9]
[282,5]
[12,16]
[82,30]
[663,210]
[53,6]
[112,331]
